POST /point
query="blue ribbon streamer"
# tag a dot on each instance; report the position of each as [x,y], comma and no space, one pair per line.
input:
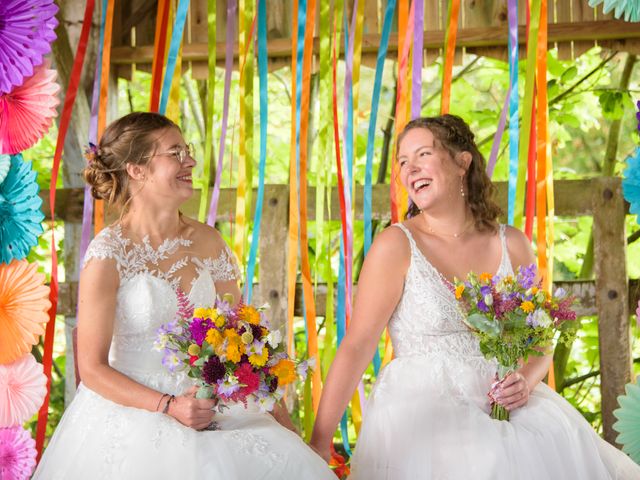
[264,115]
[340,331]
[514,128]
[368,176]
[176,39]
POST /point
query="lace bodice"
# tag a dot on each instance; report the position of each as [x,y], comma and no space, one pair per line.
[427,320]
[147,297]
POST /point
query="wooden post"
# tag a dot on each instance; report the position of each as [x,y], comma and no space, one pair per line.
[273,253]
[612,292]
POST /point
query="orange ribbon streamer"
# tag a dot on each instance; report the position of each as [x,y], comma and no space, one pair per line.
[160,43]
[450,48]
[398,194]
[307,286]
[98,215]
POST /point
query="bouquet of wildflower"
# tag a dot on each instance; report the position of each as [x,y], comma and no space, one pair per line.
[230,352]
[513,318]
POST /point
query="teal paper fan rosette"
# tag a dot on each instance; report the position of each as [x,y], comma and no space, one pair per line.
[631,183]
[20,210]
[627,9]
[628,424]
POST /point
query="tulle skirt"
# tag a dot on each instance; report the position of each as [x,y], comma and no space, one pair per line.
[428,418]
[99,439]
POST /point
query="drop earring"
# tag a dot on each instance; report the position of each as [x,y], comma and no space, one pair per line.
[462,187]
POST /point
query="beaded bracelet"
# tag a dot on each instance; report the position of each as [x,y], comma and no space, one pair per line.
[172,398]
[160,401]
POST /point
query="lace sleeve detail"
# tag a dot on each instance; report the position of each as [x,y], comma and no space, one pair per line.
[106,245]
[224,268]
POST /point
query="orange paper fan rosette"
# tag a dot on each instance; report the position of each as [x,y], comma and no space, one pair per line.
[24,303]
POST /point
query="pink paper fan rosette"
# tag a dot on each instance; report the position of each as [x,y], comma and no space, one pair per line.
[17,454]
[26,32]
[22,388]
[26,113]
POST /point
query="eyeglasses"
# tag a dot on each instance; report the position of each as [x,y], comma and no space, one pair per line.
[180,153]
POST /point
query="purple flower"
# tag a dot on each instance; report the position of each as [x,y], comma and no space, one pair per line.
[199,328]
[226,388]
[483,306]
[172,359]
[527,275]
[560,293]
[225,308]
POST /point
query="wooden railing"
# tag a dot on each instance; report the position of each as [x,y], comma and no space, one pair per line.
[609,296]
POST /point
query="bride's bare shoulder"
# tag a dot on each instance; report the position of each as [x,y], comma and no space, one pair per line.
[391,244]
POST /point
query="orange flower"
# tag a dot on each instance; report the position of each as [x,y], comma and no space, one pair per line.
[250,314]
[235,347]
[285,370]
[459,290]
[485,277]
[214,337]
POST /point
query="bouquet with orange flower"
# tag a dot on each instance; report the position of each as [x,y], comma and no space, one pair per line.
[513,318]
[230,351]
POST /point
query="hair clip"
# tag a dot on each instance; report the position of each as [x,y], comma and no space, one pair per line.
[91,152]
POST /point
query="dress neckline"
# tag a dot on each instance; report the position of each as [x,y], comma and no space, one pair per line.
[145,242]
[448,283]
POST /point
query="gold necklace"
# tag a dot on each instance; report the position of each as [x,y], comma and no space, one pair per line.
[452,235]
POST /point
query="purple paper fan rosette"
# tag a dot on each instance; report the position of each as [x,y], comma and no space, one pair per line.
[27,28]
[17,453]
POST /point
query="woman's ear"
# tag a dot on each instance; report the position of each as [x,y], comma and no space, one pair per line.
[136,172]
[464,161]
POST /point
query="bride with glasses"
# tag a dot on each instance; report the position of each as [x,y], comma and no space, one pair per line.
[131,418]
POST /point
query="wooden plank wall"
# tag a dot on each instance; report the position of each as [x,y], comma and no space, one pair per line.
[132,27]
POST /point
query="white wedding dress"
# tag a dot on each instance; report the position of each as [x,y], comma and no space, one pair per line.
[99,439]
[428,414]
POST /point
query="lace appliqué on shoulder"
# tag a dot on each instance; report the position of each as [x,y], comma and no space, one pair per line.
[108,244]
[224,268]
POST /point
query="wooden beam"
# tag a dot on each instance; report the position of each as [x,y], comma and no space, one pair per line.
[467,37]
[572,198]
[612,297]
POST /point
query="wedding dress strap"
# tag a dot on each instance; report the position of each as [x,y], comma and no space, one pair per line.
[406,231]
[505,261]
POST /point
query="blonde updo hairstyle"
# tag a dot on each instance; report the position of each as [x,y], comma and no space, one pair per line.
[128,140]
[455,136]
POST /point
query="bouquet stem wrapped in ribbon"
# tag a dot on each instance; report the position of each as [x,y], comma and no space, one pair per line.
[230,351]
[513,319]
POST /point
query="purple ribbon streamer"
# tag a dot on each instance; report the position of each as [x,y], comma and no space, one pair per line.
[87,209]
[416,82]
[491,164]
[228,66]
